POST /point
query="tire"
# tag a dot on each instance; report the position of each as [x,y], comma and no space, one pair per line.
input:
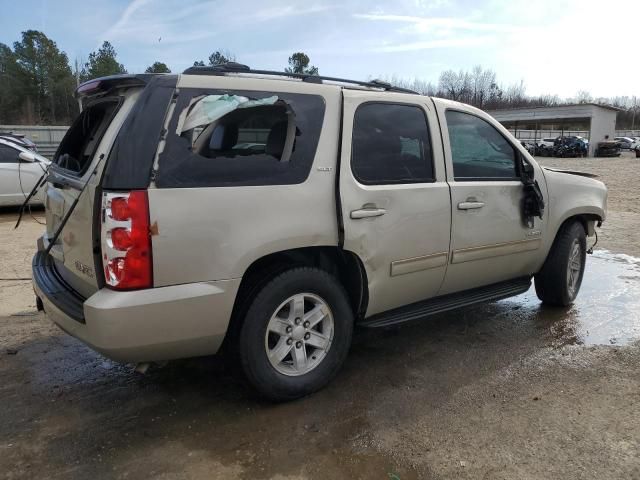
[557,284]
[273,324]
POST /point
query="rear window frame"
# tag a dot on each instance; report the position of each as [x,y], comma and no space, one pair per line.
[57,169]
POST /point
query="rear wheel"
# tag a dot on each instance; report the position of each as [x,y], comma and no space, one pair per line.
[559,280]
[296,334]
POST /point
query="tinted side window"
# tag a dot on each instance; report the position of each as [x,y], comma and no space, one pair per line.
[8,154]
[478,150]
[240,138]
[391,144]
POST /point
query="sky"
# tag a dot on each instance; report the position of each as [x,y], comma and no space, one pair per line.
[554,46]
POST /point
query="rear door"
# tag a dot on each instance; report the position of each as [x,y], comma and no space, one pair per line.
[490,240]
[79,160]
[394,196]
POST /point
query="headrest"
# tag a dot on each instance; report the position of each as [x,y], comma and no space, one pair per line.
[276,139]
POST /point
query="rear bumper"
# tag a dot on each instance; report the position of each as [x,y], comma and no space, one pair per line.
[143,325]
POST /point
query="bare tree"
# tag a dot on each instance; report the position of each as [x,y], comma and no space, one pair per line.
[583,97]
[454,85]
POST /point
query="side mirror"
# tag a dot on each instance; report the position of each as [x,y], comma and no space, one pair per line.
[527,172]
[27,157]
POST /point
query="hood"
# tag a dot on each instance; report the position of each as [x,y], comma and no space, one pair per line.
[571,172]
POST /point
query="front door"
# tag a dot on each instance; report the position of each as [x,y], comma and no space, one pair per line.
[490,241]
[394,196]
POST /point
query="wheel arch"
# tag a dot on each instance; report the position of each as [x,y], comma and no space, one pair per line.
[587,219]
[345,265]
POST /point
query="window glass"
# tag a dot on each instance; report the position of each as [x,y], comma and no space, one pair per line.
[76,150]
[8,154]
[478,150]
[241,138]
[391,144]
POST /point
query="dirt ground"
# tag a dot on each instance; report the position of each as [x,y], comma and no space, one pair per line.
[508,390]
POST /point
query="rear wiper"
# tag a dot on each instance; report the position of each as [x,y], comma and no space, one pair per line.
[52,240]
[39,184]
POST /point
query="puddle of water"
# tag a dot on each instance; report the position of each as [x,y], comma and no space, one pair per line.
[607,310]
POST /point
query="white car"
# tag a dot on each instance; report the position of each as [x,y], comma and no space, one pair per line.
[20,169]
[626,143]
[546,142]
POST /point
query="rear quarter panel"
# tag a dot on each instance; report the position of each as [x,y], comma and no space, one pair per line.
[215,233]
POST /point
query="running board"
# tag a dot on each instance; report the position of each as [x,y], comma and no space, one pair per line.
[425,308]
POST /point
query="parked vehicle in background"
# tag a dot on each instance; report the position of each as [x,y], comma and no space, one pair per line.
[307,206]
[20,140]
[19,174]
[547,142]
[545,147]
[608,148]
[626,143]
[571,146]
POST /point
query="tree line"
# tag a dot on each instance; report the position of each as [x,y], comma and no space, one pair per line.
[37,83]
[480,88]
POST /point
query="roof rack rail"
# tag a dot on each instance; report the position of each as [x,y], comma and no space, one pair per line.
[233,67]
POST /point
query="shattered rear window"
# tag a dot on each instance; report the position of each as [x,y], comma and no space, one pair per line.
[240,138]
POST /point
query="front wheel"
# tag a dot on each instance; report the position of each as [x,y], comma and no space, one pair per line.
[559,280]
[296,334]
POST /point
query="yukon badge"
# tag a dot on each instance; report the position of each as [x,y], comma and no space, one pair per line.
[84,269]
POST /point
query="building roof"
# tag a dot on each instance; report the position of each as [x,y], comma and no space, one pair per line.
[564,105]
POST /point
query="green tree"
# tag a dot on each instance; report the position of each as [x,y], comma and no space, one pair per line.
[299,63]
[101,63]
[198,63]
[220,57]
[46,81]
[158,67]
[10,86]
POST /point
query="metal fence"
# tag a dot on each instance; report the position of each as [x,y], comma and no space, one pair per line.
[46,138]
[627,133]
[537,135]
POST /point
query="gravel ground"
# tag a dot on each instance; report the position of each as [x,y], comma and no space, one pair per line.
[508,390]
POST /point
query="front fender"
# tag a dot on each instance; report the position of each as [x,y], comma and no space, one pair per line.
[570,196]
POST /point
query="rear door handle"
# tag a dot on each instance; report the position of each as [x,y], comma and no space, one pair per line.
[470,205]
[367,212]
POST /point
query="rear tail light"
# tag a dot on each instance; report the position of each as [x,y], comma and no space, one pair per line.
[126,242]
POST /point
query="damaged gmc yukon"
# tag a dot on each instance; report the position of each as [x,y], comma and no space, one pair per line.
[267,214]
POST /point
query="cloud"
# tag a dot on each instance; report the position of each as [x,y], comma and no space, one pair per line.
[126,15]
[145,21]
[427,24]
[414,33]
[432,44]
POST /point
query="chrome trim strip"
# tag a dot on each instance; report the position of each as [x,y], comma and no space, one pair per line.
[415,264]
[499,249]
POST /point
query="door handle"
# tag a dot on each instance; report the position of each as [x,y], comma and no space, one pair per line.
[367,212]
[470,205]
